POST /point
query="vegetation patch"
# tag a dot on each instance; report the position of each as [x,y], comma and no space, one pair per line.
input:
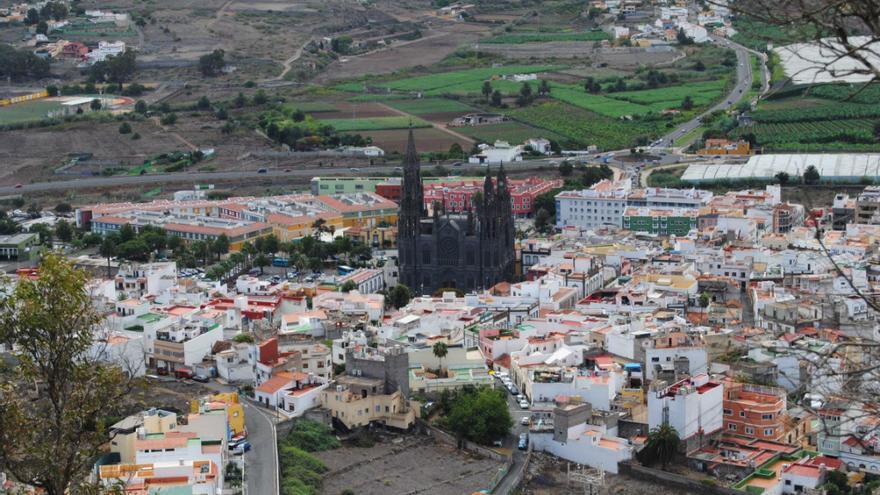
[519,38]
[582,127]
[301,471]
[375,123]
[455,78]
[425,106]
[512,132]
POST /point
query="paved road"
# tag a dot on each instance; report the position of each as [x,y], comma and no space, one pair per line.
[210,177]
[743,84]
[261,462]
[506,486]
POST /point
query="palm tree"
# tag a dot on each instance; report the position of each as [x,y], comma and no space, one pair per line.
[662,445]
[260,261]
[704,303]
[440,351]
[108,250]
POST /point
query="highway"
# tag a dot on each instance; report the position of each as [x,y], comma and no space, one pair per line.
[743,84]
[272,175]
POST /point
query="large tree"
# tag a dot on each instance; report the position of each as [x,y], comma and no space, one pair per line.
[478,414]
[55,397]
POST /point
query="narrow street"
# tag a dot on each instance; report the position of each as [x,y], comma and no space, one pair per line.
[261,462]
[519,456]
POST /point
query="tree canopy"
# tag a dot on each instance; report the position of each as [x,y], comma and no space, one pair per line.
[52,404]
[477,414]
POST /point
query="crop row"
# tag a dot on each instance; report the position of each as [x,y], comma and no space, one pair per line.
[375,123]
[707,89]
[443,80]
[585,128]
[838,111]
[518,38]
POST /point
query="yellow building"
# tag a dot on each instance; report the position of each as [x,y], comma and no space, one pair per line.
[725,147]
[125,433]
[224,401]
[381,237]
[353,402]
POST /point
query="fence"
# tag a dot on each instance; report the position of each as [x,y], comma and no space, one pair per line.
[5,102]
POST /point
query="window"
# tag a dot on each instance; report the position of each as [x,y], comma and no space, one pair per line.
[768,432]
[742,414]
[750,430]
[767,416]
[731,427]
[728,412]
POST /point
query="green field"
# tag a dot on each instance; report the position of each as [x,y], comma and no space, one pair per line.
[639,102]
[314,106]
[427,106]
[702,93]
[366,98]
[604,105]
[512,132]
[435,82]
[27,112]
[582,127]
[375,123]
[518,38]
[815,119]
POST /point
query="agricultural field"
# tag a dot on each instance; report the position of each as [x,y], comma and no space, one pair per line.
[429,106]
[512,132]
[375,123]
[600,104]
[706,91]
[819,118]
[639,102]
[427,139]
[519,38]
[581,127]
[435,83]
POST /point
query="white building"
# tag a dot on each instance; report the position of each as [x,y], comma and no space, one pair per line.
[366,280]
[572,439]
[664,357]
[601,205]
[105,49]
[181,344]
[349,339]
[692,406]
[502,152]
[146,279]
[233,364]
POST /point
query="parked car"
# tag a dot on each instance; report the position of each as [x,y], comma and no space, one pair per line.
[498,443]
[524,421]
[262,171]
[513,390]
[523,404]
[201,378]
[241,448]
[520,397]
[523,441]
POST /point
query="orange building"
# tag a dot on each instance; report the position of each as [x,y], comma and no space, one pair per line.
[754,411]
[725,147]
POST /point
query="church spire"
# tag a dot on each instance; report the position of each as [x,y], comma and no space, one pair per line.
[411,157]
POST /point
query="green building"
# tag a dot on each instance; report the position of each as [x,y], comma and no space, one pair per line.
[660,221]
[15,246]
[348,185]
[345,185]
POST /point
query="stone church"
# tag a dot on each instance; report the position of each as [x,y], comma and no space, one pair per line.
[463,251]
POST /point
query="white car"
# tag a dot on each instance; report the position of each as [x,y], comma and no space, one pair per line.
[523,404]
[524,421]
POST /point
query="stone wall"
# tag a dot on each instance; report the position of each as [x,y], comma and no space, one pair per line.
[673,481]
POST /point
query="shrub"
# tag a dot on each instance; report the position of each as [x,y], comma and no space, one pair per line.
[124,128]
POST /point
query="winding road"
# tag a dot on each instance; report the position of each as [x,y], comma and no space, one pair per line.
[744,79]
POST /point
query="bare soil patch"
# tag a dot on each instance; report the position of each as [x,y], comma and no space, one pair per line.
[405,464]
[427,139]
